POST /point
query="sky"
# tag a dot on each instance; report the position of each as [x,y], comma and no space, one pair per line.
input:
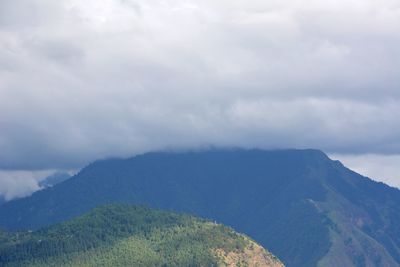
[84,80]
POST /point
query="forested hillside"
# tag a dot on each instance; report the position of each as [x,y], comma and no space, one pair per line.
[123,235]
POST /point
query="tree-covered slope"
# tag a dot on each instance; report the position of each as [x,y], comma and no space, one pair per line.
[123,235]
[307,209]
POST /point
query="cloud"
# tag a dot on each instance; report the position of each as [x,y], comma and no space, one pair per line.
[15,184]
[82,80]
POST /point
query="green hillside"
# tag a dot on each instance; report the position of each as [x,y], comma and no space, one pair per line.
[124,235]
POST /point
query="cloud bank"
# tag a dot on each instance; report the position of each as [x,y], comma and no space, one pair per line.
[82,80]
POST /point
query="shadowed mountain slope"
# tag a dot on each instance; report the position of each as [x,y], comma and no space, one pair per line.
[307,209]
[54,179]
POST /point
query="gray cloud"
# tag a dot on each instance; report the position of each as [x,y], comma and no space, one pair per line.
[81,80]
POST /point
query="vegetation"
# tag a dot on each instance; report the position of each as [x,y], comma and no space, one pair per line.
[297,203]
[122,235]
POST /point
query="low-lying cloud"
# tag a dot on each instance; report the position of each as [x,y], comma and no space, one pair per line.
[15,184]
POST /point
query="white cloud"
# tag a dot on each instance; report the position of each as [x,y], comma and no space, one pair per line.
[15,184]
[22,183]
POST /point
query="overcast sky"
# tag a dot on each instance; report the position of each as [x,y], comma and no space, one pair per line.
[82,80]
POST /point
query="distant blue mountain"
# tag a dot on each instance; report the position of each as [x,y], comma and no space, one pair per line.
[307,209]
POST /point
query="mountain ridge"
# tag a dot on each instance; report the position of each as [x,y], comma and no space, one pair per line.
[308,209]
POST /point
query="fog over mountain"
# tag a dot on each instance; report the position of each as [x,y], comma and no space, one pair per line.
[83,80]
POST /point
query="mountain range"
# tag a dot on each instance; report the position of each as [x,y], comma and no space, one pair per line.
[305,208]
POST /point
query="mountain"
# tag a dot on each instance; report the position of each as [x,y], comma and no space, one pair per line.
[122,235]
[304,207]
[54,179]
